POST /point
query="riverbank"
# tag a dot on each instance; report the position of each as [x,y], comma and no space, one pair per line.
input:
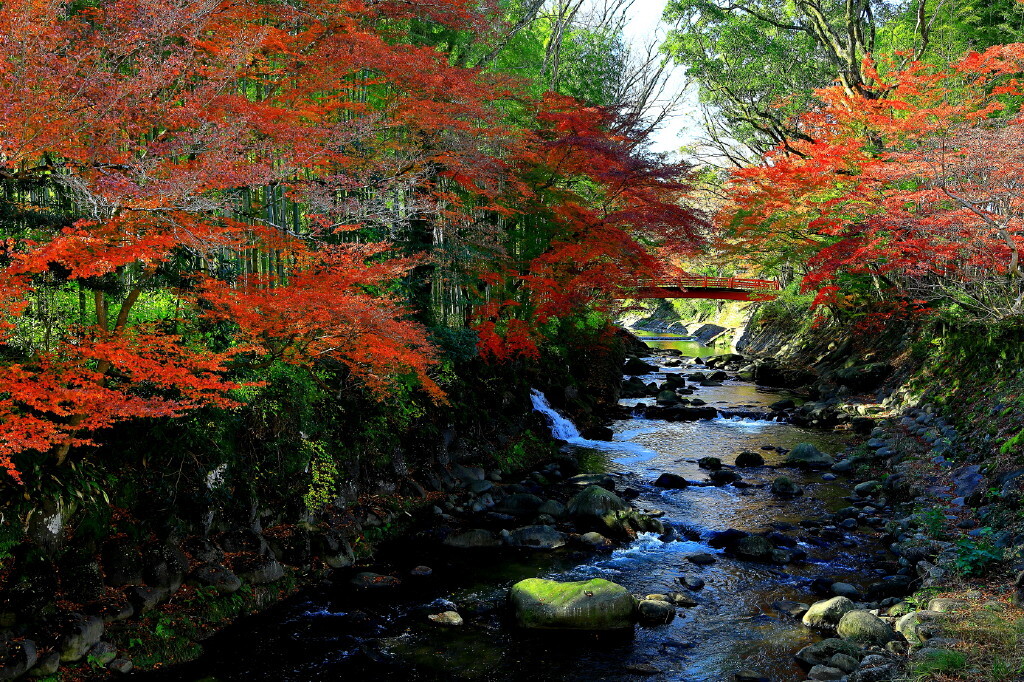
[946,399]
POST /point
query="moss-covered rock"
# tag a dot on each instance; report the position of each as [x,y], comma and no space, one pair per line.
[806,455]
[594,502]
[827,613]
[783,486]
[864,627]
[586,605]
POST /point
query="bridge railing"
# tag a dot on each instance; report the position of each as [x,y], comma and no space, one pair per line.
[701,282]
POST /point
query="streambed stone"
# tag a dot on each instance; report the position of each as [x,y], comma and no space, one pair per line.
[783,486]
[671,481]
[749,459]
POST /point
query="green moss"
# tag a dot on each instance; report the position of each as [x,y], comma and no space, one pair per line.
[587,605]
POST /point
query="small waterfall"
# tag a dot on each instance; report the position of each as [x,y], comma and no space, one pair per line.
[561,428]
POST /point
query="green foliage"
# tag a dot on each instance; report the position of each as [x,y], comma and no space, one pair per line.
[323,473]
[976,554]
[523,453]
[957,28]
[757,75]
[10,535]
[789,307]
[932,521]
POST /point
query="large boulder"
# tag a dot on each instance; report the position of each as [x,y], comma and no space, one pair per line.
[164,566]
[216,576]
[667,398]
[16,657]
[768,372]
[808,456]
[749,459]
[827,614]
[626,525]
[586,605]
[257,569]
[334,549]
[723,476]
[594,502]
[634,387]
[865,628]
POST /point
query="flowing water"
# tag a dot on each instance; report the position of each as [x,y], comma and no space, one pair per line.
[734,626]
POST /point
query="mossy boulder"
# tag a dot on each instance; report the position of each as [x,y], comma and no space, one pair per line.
[783,486]
[585,605]
[828,613]
[918,626]
[808,456]
[865,628]
[749,459]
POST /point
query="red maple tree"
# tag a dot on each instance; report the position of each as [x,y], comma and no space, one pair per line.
[915,188]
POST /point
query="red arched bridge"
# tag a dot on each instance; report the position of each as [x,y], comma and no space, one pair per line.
[697,286]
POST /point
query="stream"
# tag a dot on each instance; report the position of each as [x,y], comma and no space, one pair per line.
[734,626]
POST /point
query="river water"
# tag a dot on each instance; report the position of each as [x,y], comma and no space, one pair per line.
[733,627]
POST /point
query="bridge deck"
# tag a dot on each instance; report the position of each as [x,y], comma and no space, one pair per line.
[695,286]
